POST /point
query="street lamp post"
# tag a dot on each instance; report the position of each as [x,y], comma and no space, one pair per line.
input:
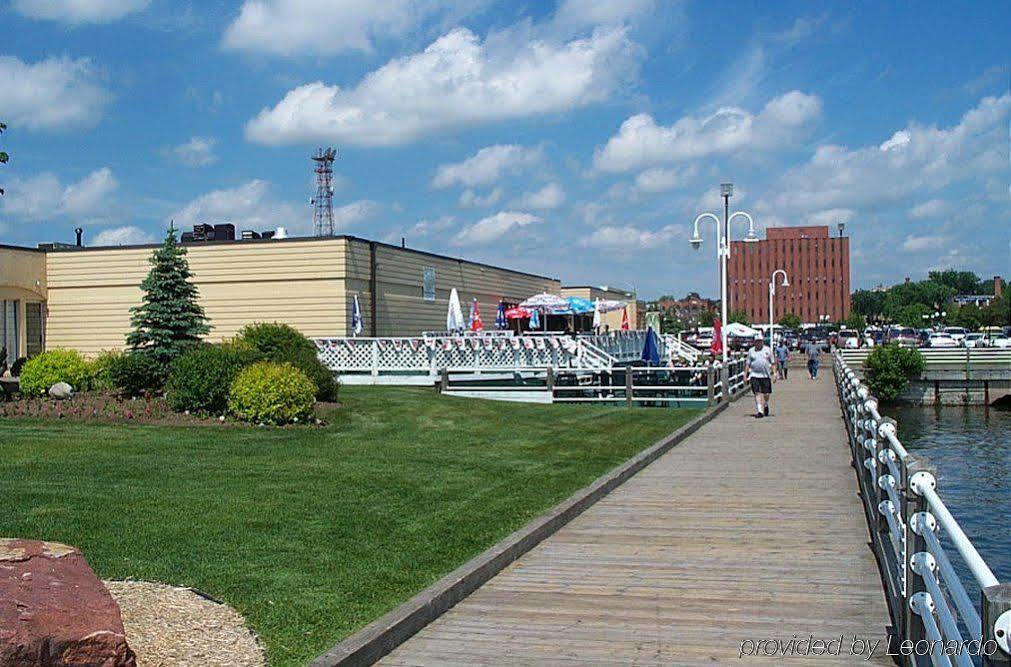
[723,253]
[772,293]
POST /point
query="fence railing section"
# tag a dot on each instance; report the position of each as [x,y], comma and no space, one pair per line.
[931,606]
[955,358]
[667,386]
[421,359]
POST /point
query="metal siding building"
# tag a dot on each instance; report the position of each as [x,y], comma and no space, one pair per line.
[818,267]
[86,294]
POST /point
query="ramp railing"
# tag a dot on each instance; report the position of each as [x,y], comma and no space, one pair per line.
[916,538]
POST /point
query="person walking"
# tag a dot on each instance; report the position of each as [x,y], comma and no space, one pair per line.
[758,372]
[813,352]
[783,358]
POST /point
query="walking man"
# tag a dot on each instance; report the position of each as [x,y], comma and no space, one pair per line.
[813,351]
[758,371]
[783,358]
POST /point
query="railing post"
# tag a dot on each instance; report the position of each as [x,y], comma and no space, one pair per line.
[917,471]
[550,379]
[375,357]
[444,382]
[710,387]
[628,386]
[725,381]
[996,618]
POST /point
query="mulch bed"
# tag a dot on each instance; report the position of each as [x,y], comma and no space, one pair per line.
[109,408]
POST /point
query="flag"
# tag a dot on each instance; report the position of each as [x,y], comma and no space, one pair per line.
[475,317]
[535,319]
[356,317]
[717,346]
[624,318]
[500,316]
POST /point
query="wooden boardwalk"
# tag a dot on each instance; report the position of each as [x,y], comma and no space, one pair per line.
[748,530]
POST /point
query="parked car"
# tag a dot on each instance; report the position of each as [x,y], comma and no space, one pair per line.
[821,341]
[974,340]
[1004,343]
[941,339]
[958,333]
[904,336]
[848,339]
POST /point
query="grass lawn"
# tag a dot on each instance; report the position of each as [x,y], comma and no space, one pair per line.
[310,533]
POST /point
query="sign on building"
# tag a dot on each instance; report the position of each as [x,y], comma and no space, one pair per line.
[428,283]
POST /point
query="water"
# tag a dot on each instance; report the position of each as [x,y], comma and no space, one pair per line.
[971,448]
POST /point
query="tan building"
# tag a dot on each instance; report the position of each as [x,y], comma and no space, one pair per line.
[612,319]
[83,296]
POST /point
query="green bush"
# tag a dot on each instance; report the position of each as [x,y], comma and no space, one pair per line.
[47,368]
[889,368]
[101,379]
[272,393]
[200,379]
[136,374]
[282,343]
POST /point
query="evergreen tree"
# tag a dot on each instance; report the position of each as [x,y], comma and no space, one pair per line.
[170,319]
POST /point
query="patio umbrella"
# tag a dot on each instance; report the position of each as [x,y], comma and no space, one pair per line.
[454,316]
[500,316]
[356,317]
[650,352]
[516,313]
[596,315]
[577,305]
[545,300]
[475,317]
[607,305]
[535,320]
[624,318]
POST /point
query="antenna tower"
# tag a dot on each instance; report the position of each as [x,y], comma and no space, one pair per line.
[322,215]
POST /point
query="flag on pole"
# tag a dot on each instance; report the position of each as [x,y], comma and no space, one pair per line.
[717,346]
[500,316]
[356,317]
[624,318]
[475,317]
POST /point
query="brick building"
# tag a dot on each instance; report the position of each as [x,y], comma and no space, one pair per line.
[818,267]
[688,309]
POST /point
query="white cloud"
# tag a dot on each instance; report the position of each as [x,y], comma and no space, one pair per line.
[43,196]
[550,196]
[575,15]
[914,243]
[625,238]
[197,152]
[487,166]
[426,227]
[457,81]
[129,235]
[831,217]
[494,227]
[659,179]
[914,159]
[932,208]
[56,93]
[641,142]
[253,205]
[78,11]
[470,198]
[328,27]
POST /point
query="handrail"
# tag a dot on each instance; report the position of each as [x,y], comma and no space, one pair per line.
[905,510]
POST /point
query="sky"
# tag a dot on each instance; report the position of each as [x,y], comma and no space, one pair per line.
[577,139]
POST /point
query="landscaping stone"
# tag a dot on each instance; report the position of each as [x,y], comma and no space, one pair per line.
[55,611]
[61,390]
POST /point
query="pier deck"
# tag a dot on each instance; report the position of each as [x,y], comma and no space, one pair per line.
[748,530]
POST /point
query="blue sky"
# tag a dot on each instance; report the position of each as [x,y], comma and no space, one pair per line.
[576,139]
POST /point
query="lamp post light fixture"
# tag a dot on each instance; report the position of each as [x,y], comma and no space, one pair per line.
[841,226]
[772,293]
[723,251]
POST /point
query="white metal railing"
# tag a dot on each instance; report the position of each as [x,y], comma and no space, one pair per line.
[677,347]
[955,358]
[907,515]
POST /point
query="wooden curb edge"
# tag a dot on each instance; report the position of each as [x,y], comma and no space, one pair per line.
[389,631]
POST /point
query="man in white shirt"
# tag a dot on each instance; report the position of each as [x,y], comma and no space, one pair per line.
[759,372]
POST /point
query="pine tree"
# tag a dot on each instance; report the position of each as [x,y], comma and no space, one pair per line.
[170,318]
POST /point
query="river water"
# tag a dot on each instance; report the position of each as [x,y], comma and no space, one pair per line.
[971,448]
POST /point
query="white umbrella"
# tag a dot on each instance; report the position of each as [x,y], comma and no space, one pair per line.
[454,317]
[609,305]
[544,301]
[356,317]
[596,314]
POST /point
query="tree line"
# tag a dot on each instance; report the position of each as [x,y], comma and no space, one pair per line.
[932,301]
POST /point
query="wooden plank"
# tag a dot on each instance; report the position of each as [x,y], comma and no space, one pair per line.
[749,529]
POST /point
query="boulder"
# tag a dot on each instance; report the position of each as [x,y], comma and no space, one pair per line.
[55,611]
[61,390]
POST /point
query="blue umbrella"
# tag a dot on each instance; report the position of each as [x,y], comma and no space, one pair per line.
[579,305]
[650,353]
[535,320]
[500,318]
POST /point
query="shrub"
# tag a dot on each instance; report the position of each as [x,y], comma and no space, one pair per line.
[282,343]
[200,379]
[18,364]
[101,379]
[272,393]
[889,368]
[136,374]
[47,368]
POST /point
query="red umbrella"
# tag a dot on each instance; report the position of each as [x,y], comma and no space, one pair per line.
[516,313]
[475,317]
[717,346]
[624,318]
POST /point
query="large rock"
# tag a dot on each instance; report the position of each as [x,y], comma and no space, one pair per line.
[61,390]
[55,611]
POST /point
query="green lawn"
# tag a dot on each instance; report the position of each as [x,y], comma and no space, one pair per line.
[310,533]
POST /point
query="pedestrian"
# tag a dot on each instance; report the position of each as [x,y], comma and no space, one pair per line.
[783,358]
[758,372]
[813,351]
